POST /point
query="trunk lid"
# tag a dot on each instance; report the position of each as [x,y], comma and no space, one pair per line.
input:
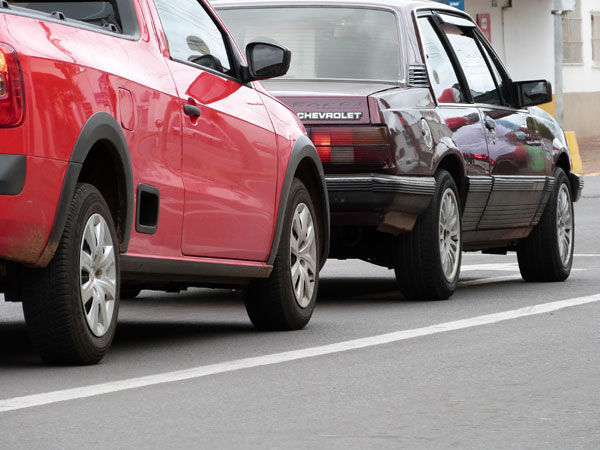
[330,102]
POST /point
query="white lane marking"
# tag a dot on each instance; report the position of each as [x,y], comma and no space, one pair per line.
[503,267]
[488,280]
[582,255]
[30,401]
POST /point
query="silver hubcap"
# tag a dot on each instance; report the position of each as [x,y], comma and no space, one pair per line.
[303,247]
[564,220]
[449,234]
[98,281]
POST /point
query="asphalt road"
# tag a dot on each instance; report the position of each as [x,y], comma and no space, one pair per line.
[487,369]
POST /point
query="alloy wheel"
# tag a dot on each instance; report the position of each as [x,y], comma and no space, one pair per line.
[564,220]
[303,249]
[449,234]
[98,281]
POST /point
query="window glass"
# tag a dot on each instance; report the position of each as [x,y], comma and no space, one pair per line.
[501,81]
[103,13]
[442,76]
[326,42]
[596,37]
[192,35]
[481,84]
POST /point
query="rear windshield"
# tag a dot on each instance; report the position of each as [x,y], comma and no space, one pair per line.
[326,43]
[102,13]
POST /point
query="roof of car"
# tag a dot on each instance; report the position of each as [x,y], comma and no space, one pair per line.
[394,4]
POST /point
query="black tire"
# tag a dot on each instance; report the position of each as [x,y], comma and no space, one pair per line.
[129,292]
[419,268]
[539,254]
[52,297]
[272,303]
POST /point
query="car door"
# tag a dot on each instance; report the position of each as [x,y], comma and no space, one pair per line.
[459,114]
[517,161]
[229,153]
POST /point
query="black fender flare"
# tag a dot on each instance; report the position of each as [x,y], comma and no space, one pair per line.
[101,126]
[302,150]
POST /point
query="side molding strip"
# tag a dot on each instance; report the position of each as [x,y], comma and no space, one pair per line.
[149,269]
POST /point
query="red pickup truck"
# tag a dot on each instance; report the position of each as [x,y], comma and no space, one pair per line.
[138,151]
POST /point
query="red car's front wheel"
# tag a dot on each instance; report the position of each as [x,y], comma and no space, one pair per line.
[285,301]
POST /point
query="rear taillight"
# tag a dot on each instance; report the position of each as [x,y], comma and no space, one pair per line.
[12,99]
[363,146]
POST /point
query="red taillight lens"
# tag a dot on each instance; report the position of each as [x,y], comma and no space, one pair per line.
[12,100]
[365,146]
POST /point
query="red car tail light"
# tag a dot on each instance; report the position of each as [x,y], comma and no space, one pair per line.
[364,146]
[12,99]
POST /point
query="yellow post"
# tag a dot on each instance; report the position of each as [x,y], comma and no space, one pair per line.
[574,148]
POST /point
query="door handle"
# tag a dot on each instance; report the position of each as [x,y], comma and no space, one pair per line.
[192,110]
[490,124]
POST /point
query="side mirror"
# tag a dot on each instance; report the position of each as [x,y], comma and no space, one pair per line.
[267,60]
[531,93]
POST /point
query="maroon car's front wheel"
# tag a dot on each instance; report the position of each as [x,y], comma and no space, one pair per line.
[547,253]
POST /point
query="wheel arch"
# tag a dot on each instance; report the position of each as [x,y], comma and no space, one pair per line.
[454,165]
[305,164]
[564,162]
[100,147]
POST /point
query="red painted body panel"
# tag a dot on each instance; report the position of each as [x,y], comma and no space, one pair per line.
[72,73]
[27,218]
[229,167]
[223,203]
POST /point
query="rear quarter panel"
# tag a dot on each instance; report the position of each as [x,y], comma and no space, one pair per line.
[69,74]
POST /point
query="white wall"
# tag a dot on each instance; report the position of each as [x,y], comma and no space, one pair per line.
[523,35]
[529,39]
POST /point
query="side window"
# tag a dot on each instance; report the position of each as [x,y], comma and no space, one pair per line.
[481,83]
[501,81]
[192,35]
[443,78]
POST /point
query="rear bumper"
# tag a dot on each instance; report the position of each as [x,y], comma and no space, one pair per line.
[13,169]
[576,185]
[389,202]
[28,204]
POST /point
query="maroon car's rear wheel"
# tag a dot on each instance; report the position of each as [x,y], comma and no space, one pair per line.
[428,258]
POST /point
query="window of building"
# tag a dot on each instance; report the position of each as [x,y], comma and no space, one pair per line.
[596,37]
[572,41]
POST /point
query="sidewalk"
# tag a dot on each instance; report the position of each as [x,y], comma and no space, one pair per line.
[589,149]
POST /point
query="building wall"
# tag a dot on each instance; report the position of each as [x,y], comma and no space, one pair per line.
[584,77]
[523,36]
[582,82]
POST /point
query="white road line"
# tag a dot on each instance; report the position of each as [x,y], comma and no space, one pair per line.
[502,267]
[488,280]
[30,401]
[582,255]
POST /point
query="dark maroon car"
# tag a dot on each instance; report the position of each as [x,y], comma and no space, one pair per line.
[429,147]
